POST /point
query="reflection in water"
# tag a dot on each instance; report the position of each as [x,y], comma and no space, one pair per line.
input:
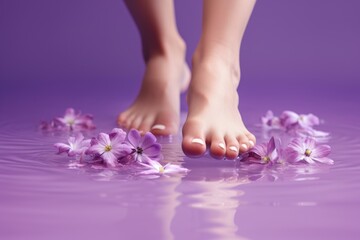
[210,197]
[149,213]
[279,172]
[213,207]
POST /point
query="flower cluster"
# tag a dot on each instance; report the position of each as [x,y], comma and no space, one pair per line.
[71,121]
[300,144]
[118,148]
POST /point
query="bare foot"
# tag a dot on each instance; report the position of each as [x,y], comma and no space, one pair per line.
[213,117]
[157,107]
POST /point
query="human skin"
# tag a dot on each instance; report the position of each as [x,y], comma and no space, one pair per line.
[213,119]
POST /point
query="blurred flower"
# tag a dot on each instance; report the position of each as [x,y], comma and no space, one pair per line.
[77,145]
[271,121]
[109,147]
[74,122]
[306,150]
[263,153]
[154,167]
[144,148]
[291,119]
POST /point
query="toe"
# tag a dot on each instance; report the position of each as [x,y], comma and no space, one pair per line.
[136,123]
[217,146]
[145,125]
[232,147]
[165,124]
[128,122]
[122,118]
[252,139]
[193,143]
[244,143]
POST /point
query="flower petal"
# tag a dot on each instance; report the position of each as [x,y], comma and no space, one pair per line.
[153,151]
[171,168]
[85,143]
[309,120]
[325,160]
[78,140]
[270,146]
[117,135]
[321,151]
[122,150]
[109,158]
[104,139]
[292,155]
[62,147]
[134,137]
[309,160]
[310,143]
[260,149]
[148,140]
[95,149]
[154,164]
[297,145]
[289,118]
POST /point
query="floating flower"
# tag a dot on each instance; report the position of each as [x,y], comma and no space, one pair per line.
[263,153]
[156,168]
[291,119]
[109,147]
[77,145]
[271,121]
[75,122]
[307,150]
[144,148]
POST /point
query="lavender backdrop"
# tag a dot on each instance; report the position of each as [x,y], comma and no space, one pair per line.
[294,48]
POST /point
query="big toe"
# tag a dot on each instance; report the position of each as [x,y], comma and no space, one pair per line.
[193,143]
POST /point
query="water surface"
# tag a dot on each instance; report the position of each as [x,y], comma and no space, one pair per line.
[47,196]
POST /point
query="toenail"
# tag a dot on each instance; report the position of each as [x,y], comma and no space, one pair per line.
[244,146]
[198,140]
[233,148]
[222,145]
[251,143]
[158,127]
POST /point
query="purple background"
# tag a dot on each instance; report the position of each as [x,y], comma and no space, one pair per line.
[294,52]
[80,41]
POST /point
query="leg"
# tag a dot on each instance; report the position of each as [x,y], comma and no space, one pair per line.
[213,117]
[157,106]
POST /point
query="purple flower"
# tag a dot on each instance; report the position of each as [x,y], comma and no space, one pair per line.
[154,167]
[263,153]
[306,150]
[270,121]
[109,147]
[144,148]
[75,122]
[291,119]
[77,145]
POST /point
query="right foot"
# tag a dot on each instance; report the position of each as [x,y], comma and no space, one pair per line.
[157,107]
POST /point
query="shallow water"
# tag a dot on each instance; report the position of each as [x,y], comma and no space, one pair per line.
[47,196]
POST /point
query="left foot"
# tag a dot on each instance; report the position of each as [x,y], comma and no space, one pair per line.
[157,107]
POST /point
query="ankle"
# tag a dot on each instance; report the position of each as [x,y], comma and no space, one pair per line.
[170,47]
[217,59]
